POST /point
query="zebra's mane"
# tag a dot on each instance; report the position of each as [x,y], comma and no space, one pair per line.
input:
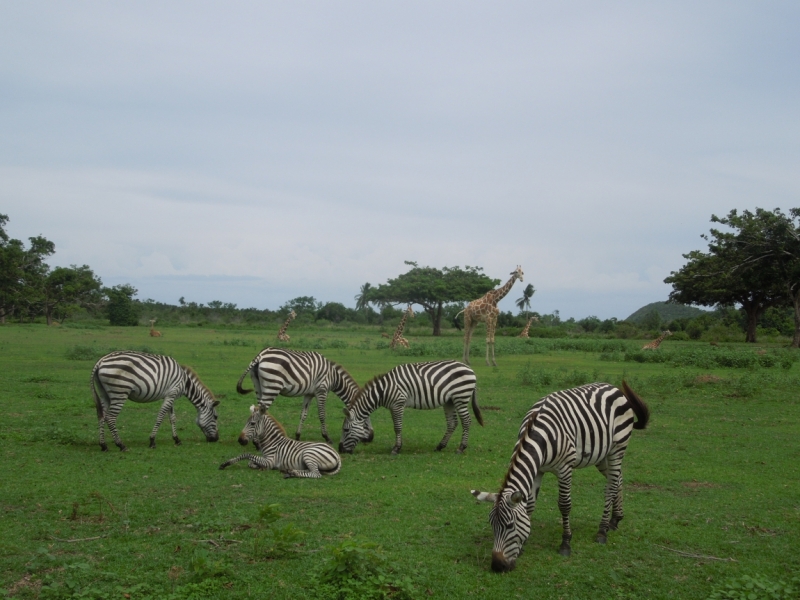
[528,424]
[344,374]
[367,386]
[193,376]
[277,423]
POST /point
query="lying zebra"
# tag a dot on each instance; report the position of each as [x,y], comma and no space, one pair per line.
[292,458]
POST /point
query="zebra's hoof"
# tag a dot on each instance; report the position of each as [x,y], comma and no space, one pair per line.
[395,451]
[152,442]
[439,448]
[614,523]
[461,449]
[103,448]
[177,441]
[601,538]
[565,550]
[222,466]
[297,436]
[123,448]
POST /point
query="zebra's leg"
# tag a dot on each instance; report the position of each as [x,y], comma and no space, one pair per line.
[322,397]
[303,414]
[466,421]
[166,408]
[102,411]
[612,511]
[452,421]
[173,420]
[262,462]
[115,406]
[397,420]
[312,473]
[565,506]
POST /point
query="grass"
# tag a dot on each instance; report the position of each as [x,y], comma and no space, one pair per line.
[715,475]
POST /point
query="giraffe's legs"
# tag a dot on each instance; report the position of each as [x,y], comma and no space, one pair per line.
[491,325]
[469,326]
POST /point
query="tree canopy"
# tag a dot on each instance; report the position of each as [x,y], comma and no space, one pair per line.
[431,288]
[740,267]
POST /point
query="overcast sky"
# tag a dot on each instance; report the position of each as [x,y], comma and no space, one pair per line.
[252,152]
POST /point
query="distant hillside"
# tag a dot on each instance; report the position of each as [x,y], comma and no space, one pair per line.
[667,311]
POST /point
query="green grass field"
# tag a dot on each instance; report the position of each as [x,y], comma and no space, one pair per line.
[711,487]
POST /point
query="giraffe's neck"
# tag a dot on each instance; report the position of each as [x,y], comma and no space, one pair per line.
[401,325]
[285,325]
[527,326]
[501,292]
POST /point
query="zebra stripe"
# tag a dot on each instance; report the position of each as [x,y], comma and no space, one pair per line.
[293,459]
[141,377]
[279,372]
[427,385]
[571,429]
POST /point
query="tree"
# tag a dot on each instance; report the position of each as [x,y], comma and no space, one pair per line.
[732,272]
[122,310]
[65,290]
[301,305]
[22,272]
[362,298]
[335,312]
[524,303]
[431,288]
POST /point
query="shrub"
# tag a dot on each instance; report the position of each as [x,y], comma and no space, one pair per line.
[359,571]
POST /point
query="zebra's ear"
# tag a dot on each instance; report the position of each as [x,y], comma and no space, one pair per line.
[262,409]
[483,496]
[215,403]
[517,497]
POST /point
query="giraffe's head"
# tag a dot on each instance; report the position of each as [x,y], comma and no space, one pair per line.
[292,315]
[518,273]
[410,311]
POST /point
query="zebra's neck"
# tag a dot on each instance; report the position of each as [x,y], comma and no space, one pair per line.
[193,389]
[370,399]
[526,463]
[342,384]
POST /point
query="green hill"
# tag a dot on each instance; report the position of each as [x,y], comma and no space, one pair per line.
[667,310]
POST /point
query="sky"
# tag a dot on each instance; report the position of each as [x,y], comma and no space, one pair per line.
[253,152]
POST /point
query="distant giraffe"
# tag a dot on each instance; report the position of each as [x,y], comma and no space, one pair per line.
[485,309]
[153,331]
[657,342]
[282,336]
[524,333]
[398,334]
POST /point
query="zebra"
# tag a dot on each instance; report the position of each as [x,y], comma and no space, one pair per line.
[280,372]
[141,377]
[292,458]
[423,385]
[566,430]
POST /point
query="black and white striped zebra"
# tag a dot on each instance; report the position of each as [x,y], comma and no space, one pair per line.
[585,426]
[141,377]
[279,372]
[426,385]
[292,458]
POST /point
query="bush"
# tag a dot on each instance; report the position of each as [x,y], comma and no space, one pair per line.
[359,571]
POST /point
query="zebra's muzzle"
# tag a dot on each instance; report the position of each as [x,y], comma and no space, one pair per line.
[214,438]
[243,440]
[500,564]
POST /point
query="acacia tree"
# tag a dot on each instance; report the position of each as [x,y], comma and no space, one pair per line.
[771,242]
[431,288]
[732,272]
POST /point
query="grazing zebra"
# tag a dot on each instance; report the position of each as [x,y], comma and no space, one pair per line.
[293,459]
[425,385]
[280,372]
[141,377]
[567,430]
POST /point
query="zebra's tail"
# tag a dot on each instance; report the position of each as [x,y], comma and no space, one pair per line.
[475,408]
[239,387]
[637,404]
[97,402]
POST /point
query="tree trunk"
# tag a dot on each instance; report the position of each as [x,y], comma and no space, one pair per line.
[437,320]
[753,313]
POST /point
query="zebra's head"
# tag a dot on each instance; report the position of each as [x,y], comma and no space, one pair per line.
[511,526]
[354,430]
[251,429]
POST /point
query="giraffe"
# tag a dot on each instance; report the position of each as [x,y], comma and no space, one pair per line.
[398,334]
[153,331]
[524,333]
[657,342]
[282,336]
[485,309]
